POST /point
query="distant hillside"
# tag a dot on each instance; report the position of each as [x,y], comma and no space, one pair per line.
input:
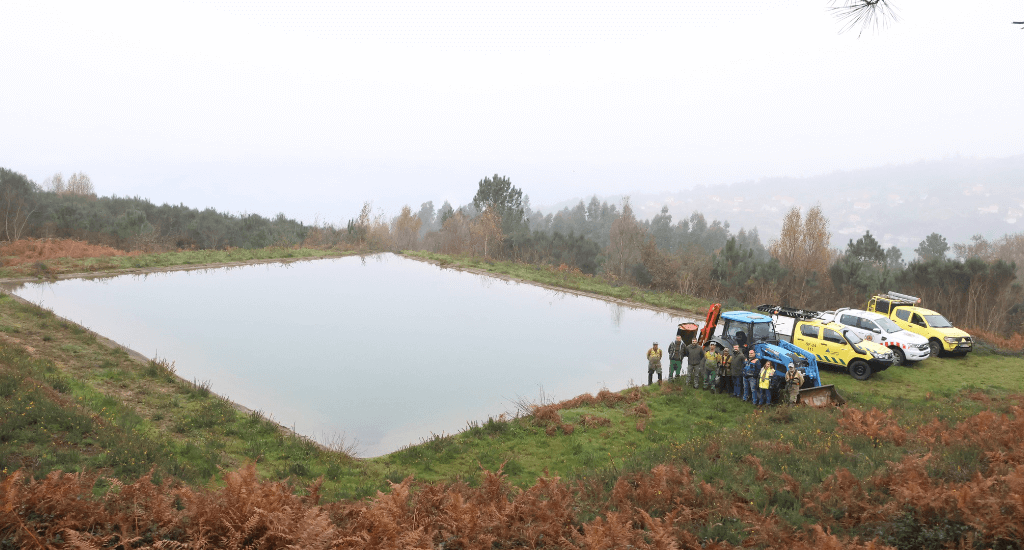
[900,205]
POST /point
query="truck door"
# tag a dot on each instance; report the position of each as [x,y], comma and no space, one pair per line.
[902,318]
[833,347]
[806,336]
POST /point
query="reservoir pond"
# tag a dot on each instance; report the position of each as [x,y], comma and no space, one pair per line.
[381,351]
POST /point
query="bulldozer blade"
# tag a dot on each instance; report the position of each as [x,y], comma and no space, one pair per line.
[822,396]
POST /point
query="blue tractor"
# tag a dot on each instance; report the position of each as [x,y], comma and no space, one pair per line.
[757,331]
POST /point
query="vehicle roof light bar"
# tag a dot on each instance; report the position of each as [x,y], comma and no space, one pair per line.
[787,311]
[896,296]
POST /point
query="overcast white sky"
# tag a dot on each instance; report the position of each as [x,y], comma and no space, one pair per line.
[311,108]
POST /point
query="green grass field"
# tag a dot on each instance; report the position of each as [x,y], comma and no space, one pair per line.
[69,402]
[569,280]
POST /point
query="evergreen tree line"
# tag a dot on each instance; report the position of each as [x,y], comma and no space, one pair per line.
[975,284]
[71,209]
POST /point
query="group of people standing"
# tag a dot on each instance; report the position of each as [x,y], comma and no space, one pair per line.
[736,372]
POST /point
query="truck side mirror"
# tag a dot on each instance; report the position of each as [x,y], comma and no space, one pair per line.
[876,330]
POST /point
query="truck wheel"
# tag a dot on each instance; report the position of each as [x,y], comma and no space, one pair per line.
[901,358]
[860,370]
[936,347]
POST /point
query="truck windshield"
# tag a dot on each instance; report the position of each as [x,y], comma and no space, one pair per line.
[937,321]
[764,331]
[887,325]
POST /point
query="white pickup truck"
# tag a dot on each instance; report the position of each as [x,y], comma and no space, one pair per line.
[906,346]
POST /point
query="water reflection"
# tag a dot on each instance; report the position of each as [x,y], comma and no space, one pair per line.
[386,350]
[616,309]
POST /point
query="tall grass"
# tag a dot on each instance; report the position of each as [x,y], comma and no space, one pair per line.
[866,481]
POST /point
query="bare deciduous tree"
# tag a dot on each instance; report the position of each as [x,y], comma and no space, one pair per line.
[695,265]
[816,237]
[1009,248]
[626,240]
[17,211]
[369,230]
[456,236]
[486,229]
[405,230]
[55,184]
[803,249]
[78,184]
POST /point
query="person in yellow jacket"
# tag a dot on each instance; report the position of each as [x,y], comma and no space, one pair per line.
[653,364]
[712,360]
[764,383]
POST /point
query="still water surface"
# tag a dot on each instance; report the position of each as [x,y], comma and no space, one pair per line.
[381,350]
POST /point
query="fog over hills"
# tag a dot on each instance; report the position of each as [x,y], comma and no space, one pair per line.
[900,205]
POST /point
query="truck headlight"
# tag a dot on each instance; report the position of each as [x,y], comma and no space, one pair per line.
[951,339]
[877,355]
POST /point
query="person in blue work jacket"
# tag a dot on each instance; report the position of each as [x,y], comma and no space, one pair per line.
[750,371]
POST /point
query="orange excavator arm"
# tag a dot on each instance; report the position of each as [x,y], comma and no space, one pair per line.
[714,312]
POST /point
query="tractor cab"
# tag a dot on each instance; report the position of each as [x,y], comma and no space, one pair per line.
[756,331]
[747,329]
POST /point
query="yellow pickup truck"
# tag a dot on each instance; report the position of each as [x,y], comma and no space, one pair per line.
[833,345]
[906,312]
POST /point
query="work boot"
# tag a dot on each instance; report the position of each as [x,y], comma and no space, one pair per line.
[659,378]
[650,378]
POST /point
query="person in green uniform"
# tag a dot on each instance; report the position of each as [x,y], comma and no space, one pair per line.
[736,371]
[675,357]
[694,364]
[794,379]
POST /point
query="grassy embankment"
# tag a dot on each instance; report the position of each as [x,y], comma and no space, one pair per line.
[116,406]
[165,260]
[571,280]
[69,402]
